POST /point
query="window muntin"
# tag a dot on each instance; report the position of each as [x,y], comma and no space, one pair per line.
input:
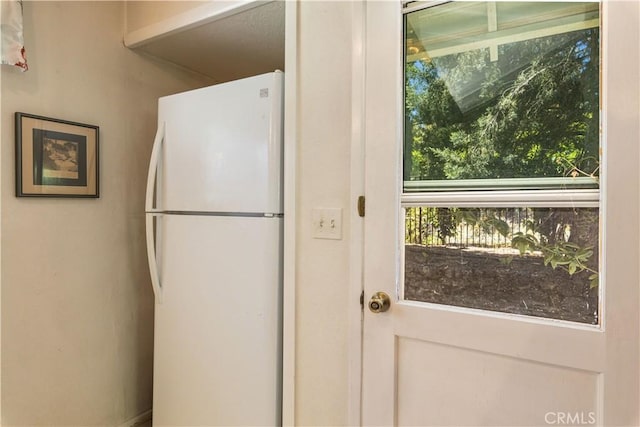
[502,118]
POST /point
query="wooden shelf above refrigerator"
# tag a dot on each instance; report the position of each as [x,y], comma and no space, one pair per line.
[224,40]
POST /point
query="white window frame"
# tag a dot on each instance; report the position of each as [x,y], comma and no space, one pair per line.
[501,193]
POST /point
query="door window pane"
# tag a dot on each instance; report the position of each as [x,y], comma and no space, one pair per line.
[497,91]
[534,261]
[502,105]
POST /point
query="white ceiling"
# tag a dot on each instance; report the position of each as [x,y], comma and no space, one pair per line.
[238,45]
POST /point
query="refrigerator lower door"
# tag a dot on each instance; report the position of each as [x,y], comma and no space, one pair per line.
[217,343]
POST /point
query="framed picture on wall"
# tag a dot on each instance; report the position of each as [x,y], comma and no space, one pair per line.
[56,158]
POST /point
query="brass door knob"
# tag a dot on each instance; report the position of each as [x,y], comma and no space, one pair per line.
[379,302]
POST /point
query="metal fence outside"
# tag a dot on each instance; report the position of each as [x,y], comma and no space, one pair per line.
[462,227]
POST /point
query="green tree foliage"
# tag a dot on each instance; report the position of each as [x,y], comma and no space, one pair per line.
[532,113]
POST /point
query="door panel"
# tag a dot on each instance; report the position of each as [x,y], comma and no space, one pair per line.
[434,364]
[493,389]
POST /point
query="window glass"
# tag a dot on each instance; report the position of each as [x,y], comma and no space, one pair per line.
[534,261]
[503,97]
[502,90]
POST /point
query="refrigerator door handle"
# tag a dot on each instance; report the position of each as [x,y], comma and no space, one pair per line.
[153,168]
[149,208]
[151,256]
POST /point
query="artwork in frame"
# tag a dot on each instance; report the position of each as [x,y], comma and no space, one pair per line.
[56,158]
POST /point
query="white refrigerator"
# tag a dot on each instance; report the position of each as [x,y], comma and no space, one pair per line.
[214,243]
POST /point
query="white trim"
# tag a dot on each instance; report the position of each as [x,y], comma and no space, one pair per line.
[207,13]
[383,35]
[509,198]
[290,179]
[604,179]
[138,419]
[555,183]
[356,237]
[1,134]
[621,205]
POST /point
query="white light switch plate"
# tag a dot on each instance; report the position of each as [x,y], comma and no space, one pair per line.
[327,223]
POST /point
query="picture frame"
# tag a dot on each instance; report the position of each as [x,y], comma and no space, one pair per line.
[56,158]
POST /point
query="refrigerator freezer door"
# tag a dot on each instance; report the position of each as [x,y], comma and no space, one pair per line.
[222,150]
[217,333]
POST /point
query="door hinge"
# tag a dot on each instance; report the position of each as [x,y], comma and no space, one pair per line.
[362,300]
[361,206]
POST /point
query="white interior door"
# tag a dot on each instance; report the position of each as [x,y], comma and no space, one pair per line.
[429,362]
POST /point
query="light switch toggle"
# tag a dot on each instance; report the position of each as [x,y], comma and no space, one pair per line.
[327,223]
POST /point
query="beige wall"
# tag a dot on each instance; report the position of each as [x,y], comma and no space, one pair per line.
[77,308]
[143,13]
[76,304]
[322,266]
